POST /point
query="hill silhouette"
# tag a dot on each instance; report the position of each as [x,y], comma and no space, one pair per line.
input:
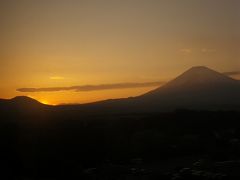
[198,88]
[197,77]
[22,102]
[127,138]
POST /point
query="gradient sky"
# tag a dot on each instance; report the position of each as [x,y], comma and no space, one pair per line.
[65,43]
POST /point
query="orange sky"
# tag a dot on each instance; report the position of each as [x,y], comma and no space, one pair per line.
[63,43]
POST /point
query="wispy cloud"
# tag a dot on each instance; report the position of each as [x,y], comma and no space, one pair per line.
[232,73]
[207,50]
[186,51]
[57,78]
[92,87]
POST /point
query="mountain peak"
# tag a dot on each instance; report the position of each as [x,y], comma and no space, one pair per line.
[200,69]
[24,100]
[198,77]
[201,75]
[198,87]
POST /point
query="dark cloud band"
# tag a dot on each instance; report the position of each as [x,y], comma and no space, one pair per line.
[92,87]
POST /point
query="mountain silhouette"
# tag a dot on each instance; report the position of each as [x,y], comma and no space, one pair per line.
[21,101]
[38,140]
[198,88]
[197,77]
[22,104]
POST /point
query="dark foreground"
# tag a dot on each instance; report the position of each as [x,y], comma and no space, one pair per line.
[53,144]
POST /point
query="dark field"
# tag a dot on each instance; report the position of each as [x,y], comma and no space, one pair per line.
[64,144]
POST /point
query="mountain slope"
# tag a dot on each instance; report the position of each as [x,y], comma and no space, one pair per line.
[199,87]
[21,101]
[21,104]
[197,77]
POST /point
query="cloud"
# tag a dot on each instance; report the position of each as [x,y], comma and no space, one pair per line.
[57,78]
[232,73]
[92,87]
[206,50]
[186,51]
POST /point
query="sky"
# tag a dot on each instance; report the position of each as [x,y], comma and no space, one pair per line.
[111,48]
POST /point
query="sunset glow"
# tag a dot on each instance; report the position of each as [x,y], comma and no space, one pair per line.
[51,44]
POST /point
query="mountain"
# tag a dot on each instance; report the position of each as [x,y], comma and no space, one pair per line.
[197,88]
[21,101]
[21,104]
[198,77]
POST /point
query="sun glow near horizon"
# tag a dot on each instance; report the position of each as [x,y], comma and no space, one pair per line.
[61,44]
[65,97]
[46,102]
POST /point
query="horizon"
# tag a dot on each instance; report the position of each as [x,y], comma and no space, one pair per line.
[86,51]
[120,89]
[106,87]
